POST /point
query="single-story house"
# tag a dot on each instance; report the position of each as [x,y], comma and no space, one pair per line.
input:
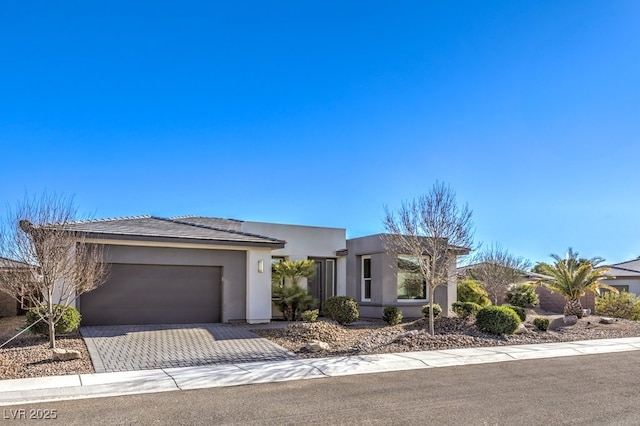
[192,269]
[626,276]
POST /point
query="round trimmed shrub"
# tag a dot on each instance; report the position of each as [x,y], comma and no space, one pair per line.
[518,310]
[497,320]
[67,323]
[471,291]
[392,315]
[342,309]
[541,324]
[465,309]
[522,295]
[437,310]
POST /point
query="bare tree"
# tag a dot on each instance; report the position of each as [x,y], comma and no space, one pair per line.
[61,263]
[431,230]
[496,269]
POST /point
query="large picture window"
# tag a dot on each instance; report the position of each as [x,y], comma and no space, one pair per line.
[366,278]
[411,284]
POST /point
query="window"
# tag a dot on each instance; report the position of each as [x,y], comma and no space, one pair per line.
[330,280]
[411,284]
[620,288]
[274,261]
[366,278]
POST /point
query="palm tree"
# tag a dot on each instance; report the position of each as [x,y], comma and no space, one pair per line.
[294,271]
[285,289]
[572,277]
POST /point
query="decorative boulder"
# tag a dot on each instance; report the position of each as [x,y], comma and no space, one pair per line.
[586,312]
[317,346]
[570,319]
[65,354]
[605,320]
[522,329]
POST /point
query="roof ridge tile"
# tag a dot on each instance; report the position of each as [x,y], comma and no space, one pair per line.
[110,219]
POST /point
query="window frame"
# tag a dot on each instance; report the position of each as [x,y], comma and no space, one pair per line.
[425,287]
[364,280]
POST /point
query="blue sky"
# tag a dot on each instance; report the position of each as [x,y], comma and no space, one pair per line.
[323,113]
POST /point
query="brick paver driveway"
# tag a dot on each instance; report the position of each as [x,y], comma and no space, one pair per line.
[144,347]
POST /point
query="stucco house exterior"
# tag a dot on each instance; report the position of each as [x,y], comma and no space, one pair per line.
[626,276]
[377,279]
[193,269]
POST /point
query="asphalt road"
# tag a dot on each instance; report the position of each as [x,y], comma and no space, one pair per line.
[584,390]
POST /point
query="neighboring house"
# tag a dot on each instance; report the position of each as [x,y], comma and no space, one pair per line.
[626,276]
[191,269]
[466,271]
[549,301]
[12,306]
[377,279]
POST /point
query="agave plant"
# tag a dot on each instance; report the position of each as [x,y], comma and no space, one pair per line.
[572,277]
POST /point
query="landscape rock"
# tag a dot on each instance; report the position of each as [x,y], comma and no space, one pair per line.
[605,320]
[317,346]
[586,312]
[65,354]
[522,329]
[570,319]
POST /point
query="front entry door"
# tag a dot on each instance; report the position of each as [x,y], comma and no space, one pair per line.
[322,284]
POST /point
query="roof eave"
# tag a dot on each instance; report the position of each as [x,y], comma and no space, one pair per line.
[275,244]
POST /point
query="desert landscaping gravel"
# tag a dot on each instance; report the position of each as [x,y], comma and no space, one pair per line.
[29,355]
[374,337]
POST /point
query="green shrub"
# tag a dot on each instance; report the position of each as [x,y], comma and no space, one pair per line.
[497,320]
[67,323]
[437,310]
[619,305]
[541,324]
[522,295]
[518,310]
[471,291]
[292,300]
[392,315]
[465,309]
[310,315]
[342,309]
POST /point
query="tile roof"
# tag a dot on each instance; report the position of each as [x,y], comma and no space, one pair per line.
[10,263]
[159,227]
[215,222]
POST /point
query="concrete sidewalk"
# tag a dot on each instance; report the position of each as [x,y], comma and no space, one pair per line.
[46,389]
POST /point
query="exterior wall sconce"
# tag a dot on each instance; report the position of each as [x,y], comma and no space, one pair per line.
[261,266]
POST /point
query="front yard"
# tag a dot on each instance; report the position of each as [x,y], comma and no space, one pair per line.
[29,355]
[373,337]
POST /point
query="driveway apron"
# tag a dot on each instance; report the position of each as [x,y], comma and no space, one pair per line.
[146,347]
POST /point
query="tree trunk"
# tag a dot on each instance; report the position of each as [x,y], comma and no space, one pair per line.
[52,331]
[431,326]
[573,307]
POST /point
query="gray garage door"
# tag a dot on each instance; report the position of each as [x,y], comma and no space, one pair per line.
[154,294]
